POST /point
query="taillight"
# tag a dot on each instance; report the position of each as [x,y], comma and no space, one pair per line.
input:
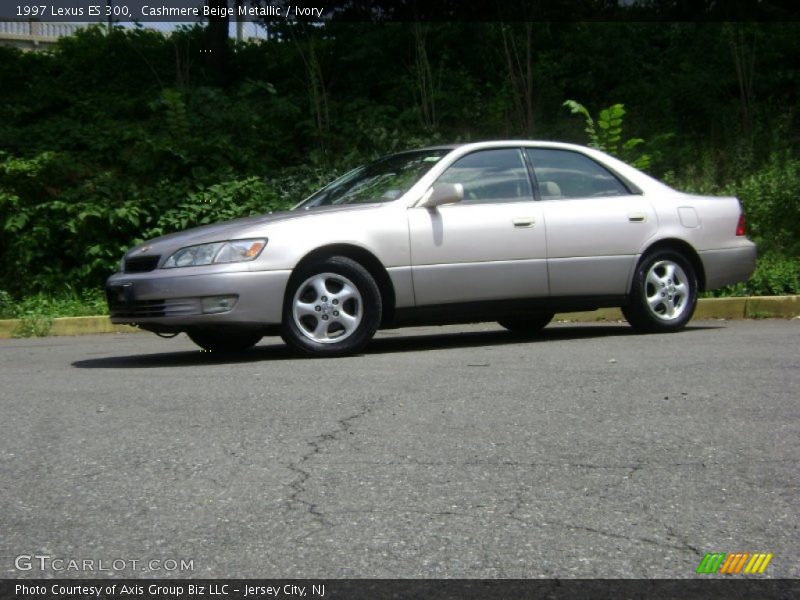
[741,226]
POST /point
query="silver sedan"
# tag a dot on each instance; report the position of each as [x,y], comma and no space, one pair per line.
[509,231]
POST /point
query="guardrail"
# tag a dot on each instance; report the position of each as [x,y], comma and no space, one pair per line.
[32,35]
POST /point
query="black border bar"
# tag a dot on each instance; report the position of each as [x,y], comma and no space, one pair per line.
[400,589]
[272,11]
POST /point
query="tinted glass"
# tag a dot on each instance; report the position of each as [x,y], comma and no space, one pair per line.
[382,181]
[491,176]
[565,174]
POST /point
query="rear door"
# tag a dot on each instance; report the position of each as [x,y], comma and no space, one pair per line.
[595,224]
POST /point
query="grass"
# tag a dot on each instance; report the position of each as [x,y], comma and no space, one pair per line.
[36,313]
[67,303]
[759,314]
[33,326]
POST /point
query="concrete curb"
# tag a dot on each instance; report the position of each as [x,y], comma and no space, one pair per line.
[754,307]
[9,328]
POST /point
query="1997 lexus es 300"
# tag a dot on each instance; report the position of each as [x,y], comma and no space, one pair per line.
[507,231]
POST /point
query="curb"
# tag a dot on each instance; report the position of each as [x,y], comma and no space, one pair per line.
[753,307]
[67,326]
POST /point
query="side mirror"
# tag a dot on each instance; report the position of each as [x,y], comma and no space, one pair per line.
[443,193]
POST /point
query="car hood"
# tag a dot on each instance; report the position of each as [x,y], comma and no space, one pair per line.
[234,229]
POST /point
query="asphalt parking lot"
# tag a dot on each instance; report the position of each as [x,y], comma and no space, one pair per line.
[439,452]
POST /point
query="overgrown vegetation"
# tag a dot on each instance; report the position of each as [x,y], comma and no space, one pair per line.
[36,312]
[117,137]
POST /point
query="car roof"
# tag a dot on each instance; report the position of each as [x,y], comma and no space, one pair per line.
[495,143]
[633,177]
[430,148]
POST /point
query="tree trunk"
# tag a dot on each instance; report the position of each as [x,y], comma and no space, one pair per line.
[743,52]
[317,93]
[423,76]
[520,75]
[216,49]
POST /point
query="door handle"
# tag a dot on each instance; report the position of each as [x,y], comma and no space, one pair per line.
[524,222]
[637,217]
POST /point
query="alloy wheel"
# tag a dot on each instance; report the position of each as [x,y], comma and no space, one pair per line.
[666,290]
[327,308]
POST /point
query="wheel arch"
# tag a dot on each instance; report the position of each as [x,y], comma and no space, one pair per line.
[367,260]
[686,250]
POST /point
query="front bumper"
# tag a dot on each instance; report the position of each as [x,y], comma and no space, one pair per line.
[169,299]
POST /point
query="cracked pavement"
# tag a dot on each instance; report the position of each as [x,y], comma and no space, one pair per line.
[440,452]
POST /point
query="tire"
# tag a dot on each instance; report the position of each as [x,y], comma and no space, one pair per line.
[224,342]
[527,325]
[664,293]
[332,308]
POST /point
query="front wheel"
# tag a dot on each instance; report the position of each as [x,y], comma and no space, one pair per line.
[664,293]
[224,342]
[332,308]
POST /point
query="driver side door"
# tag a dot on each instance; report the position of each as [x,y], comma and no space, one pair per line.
[490,246]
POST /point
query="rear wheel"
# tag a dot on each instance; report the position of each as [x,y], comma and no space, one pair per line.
[221,341]
[527,325]
[664,293]
[332,308]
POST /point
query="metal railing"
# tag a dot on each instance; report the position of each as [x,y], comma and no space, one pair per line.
[34,35]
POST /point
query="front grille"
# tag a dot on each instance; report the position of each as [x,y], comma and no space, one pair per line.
[139,309]
[141,264]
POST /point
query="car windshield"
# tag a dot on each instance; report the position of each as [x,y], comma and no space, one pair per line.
[384,180]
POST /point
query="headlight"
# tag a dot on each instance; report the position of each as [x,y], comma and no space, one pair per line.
[216,252]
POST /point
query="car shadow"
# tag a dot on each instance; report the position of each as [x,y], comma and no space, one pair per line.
[389,342]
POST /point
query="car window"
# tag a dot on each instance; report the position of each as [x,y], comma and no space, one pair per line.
[566,174]
[491,176]
[384,180]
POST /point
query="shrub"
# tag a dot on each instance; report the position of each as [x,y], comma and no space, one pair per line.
[606,133]
[771,199]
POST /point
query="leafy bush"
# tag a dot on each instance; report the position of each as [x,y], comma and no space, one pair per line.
[219,202]
[771,199]
[775,275]
[66,303]
[36,313]
[59,233]
[606,133]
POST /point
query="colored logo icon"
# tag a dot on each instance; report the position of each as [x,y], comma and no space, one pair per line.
[733,564]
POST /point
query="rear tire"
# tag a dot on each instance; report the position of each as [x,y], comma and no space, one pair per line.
[527,325]
[332,308]
[224,342]
[664,293]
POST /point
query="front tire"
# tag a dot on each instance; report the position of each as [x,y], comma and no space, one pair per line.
[224,342]
[664,293]
[332,308]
